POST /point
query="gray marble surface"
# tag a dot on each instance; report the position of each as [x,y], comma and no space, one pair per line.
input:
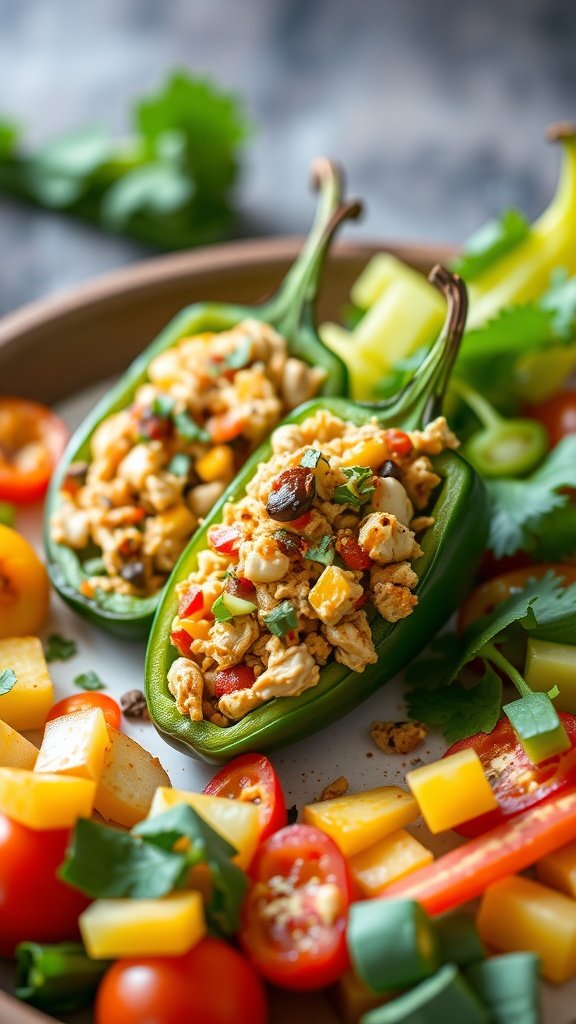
[437,111]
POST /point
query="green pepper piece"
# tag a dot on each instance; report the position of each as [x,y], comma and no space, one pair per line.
[291,311]
[503,447]
[458,939]
[509,985]
[392,943]
[58,978]
[451,548]
[445,998]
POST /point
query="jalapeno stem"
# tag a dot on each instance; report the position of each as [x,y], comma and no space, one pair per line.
[504,447]
[491,653]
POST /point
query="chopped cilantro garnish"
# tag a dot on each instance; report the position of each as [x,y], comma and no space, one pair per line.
[491,242]
[163,405]
[358,489]
[322,552]
[8,680]
[188,429]
[219,610]
[58,648]
[179,464]
[89,681]
[282,619]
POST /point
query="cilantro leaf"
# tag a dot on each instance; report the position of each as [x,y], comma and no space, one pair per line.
[58,648]
[556,538]
[89,681]
[311,458]
[560,299]
[358,489]
[188,429]
[281,619]
[8,680]
[458,711]
[322,552]
[519,506]
[492,241]
[240,356]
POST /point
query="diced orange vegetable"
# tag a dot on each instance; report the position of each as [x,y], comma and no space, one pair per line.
[197,629]
[359,820]
[393,857]
[114,928]
[217,464]
[334,593]
[75,744]
[372,452]
[15,750]
[30,699]
[236,821]
[42,801]
[452,790]
[24,586]
[519,914]
[558,869]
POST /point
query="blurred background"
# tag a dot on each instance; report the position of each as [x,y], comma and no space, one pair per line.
[437,112]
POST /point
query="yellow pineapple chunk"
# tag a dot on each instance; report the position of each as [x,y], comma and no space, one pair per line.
[392,858]
[15,750]
[129,779]
[236,821]
[359,820]
[157,927]
[75,744]
[32,696]
[42,801]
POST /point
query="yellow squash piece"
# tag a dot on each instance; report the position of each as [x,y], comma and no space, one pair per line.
[452,790]
[519,914]
[372,452]
[129,779]
[30,699]
[43,801]
[75,744]
[236,821]
[558,869]
[392,858]
[15,750]
[162,927]
[549,664]
[359,820]
[354,998]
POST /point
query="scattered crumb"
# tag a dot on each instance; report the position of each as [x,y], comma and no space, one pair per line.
[292,813]
[133,704]
[369,754]
[398,737]
[336,788]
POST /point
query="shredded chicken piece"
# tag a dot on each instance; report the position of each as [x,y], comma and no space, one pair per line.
[353,641]
[229,641]
[236,705]
[420,481]
[391,590]
[290,671]
[435,437]
[386,540]
[186,684]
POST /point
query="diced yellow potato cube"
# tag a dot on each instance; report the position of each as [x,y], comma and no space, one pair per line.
[519,914]
[354,998]
[393,857]
[75,744]
[129,779]
[43,801]
[334,594]
[549,665]
[359,820]
[236,821]
[15,750]
[30,699]
[162,927]
[558,869]
[217,464]
[452,790]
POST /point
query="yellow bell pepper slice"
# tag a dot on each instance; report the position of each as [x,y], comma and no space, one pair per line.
[237,822]
[15,750]
[217,464]
[42,801]
[114,928]
[359,820]
[452,790]
[75,744]
[393,857]
[549,664]
[30,699]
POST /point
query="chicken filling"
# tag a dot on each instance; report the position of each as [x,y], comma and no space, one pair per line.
[324,538]
[158,467]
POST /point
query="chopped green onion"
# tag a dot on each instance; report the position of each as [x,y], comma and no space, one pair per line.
[311,458]
[57,978]
[240,356]
[282,619]
[8,680]
[392,943]
[446,998]
[179,464]
[358,489]
[188,429]
[322,552]
[89,681]
[163,405]
[458,939]
[58,648]
[509,985]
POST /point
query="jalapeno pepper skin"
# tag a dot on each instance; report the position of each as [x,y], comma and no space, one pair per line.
[290,310]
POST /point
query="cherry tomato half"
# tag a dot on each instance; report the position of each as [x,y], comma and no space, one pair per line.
[516,782]
[32,439]
[251,777]
[294,918]
[82,701]
[212,984]
[558,414]
[34,904]
[484,598]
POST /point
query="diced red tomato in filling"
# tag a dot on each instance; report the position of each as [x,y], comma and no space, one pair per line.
[226,539]
[182,641]
[239,586]
[237,677]
[352,554]
[225,427]
[192,601]
[398,442]
[301,522]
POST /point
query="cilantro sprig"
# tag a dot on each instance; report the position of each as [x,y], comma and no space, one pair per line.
[491,242]
[358,489]
[8,680]
[59,648]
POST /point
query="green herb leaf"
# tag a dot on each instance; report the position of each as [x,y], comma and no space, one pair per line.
[8,680]
[358,489]
[58,978]
[219,610]
[282,619]
[163,406]
[459,711]
[58,648]
[311,458]
[240,356]
[89,681]
[8,138]
[95,567]
[179,464]
[7,514]
[322,552]
[491,242]
[156,188]
[560,300]
[188,429]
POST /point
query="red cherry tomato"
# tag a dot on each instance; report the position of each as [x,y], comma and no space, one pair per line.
[398,442]
[81,701]
[226,539]
[558,414]
[294,918]
[212,984]
[32,439]
[352,554]
[251,778]
[237,677]
[484,598]
[516,782]
[34,904]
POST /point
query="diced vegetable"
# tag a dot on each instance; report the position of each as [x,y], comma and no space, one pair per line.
[43,801]
[458,939]
[217,464]
[359,820]
[122,927]
[25,589]
[548,665]
[393,857]
[282,619]
[29,701]
[464,873]
[15,750]
[392,943]
[75,744]
[129,779]
[444,998]
[196,630]
[509,986]
[57,978]
[452,790]
[234,820]
[354,998]
[370,453]
[518,914]
[558,869]
[536,724]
